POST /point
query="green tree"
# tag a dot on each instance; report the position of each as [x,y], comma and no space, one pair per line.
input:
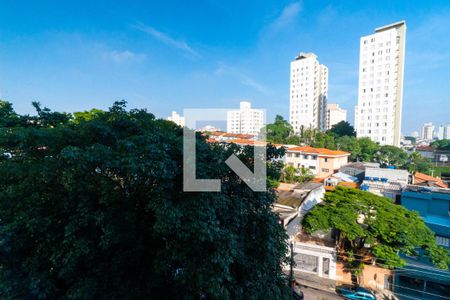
[292,174]
[279,131]
[351,145]
[389,155]
[342,128]
[289,173]
[95,209]
[87,115]
[308,136]
[304,175]
[323,140]
[368,149]
[8,117]
[441,144]
[418,163]
[369,223]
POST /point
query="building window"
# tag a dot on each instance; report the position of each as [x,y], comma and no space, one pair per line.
[313,157]
[312,167]
[325,170]
[443,241]
[306,262]
[325,159]
[326,267]
[305,156]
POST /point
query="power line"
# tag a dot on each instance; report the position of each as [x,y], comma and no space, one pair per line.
[403,269]
[419,291]
[447,273]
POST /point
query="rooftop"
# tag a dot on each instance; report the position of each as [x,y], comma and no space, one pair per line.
[390,26]
[425,190]
[292,195]
[427,180]
[319,151]
[304,55]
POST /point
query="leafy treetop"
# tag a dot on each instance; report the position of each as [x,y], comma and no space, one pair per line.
[94,208]
[367,222]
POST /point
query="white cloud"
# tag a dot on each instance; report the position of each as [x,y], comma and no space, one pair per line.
[166,39]
[288,14]
[123,56]
[243,78]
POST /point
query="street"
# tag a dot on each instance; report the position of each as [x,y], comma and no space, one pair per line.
[313,294]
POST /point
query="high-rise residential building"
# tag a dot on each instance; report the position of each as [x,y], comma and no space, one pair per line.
[447,131]
[378,114]
[427,131]
[444,132]
[309,92]
[440,133]
[176,118]
[246,120]
[335,114]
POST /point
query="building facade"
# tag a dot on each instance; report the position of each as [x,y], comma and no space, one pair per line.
[335,114]
[433,205]
[386,182]
[378,114]
[427,131]
[444,132]
[419,278]
[246,120]
[308,93]
[322,162]
[176,118]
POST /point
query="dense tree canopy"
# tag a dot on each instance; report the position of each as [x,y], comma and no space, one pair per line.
[342,137]
[391,156]
[342,128]
[369,223]
[292,174]
[95,209]
[279,131]
[441,144]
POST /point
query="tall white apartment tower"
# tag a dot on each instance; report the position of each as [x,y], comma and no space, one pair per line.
[309,92]
[335,114]
[428,131]
[246,120]
[378,114]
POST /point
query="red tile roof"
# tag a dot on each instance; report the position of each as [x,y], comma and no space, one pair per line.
[247,142]
[425,148]
[424,178]
[319,151]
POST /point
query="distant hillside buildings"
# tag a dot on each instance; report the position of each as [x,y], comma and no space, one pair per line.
[176,118]
[427,131]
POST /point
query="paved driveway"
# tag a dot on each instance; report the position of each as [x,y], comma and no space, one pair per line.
[313,294]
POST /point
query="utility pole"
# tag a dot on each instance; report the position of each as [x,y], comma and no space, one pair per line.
[291,273]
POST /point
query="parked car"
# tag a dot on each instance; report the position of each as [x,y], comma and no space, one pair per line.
[353,293]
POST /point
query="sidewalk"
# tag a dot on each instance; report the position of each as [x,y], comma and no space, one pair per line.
[315,282]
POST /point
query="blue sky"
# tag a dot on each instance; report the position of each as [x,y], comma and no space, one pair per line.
[169,55]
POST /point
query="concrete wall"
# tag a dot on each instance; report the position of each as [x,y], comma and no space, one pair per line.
[328,165]
[320,252]
[372,277]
